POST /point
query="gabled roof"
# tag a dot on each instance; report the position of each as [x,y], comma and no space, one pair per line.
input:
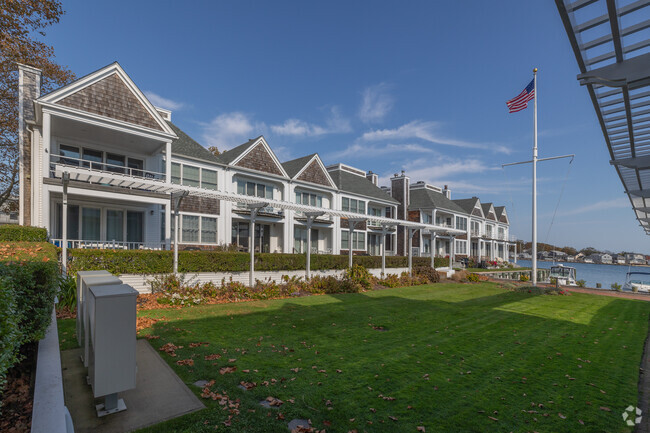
[184,145]
[295,165]
[468,204]
[500,211]
[348,182]
[110,93]
[229,156]
[487,209]
[424,198]
[255,154]
[310,169]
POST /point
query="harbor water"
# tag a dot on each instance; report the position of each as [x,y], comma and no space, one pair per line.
[592,273]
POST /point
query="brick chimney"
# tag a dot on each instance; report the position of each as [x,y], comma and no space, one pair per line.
[400,191]
[372,177]
[29,89]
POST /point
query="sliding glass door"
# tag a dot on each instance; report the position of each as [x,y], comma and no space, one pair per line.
[114,225]
[134,226]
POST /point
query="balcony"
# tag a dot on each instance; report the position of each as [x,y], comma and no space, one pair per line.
[108,245]
[270,211]
[102,167]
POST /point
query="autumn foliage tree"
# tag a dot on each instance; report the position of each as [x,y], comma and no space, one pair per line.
[21,23]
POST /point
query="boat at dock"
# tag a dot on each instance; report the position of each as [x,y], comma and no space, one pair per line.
[637,281]
[565,275]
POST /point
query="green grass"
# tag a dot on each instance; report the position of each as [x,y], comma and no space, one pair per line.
[67,333]
[451,356]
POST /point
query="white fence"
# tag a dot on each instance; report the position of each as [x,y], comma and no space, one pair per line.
[141,282]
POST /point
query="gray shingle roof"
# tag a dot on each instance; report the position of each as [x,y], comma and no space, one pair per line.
[423,198]
[352,183]
[295,165]
[499,210]
[467,204]
[486,208]
[186,146]
[230,155]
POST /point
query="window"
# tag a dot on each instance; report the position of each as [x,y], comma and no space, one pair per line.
[358,240]
[114,225]
[114,162]
[426,218]
[353,205]
[461,247]
[299,240]
[208,230]
[309,199]
[374,211]
[176,173]
[476,228]
[461,223]
[208,179]
[134,226]
[95,158]
[254,189]
[71,152]
[191,176]
[190,228]
[136,166]
[90,224]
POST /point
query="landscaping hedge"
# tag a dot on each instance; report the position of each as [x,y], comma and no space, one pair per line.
[29,276]
[16,233]
[158,262]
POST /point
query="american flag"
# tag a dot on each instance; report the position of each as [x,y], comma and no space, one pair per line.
[520,101]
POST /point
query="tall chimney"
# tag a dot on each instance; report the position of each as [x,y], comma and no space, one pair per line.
[29,89]
[447,192]
[400,191]
[372,177]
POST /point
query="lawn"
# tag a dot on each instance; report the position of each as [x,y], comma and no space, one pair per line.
[447,357]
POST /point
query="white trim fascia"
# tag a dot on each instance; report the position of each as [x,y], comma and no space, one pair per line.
[106,195]
[92,78]
[322,166]
[96,120]
[268,149]
[182,159]
[261,174]
[367,199]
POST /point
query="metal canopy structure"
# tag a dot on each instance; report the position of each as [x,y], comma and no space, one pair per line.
[611,42]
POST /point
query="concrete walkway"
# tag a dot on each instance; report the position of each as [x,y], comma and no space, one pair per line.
[160,395]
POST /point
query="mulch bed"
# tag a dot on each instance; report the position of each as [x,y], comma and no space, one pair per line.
[18,394]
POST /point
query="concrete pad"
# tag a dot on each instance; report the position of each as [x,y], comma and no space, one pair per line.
[159,395]
[295,423]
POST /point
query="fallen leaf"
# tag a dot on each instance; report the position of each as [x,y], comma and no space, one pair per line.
[224,370]
[421,428]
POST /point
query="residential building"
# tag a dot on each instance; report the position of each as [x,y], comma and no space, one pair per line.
[102,126]
[602,258]
[635,259]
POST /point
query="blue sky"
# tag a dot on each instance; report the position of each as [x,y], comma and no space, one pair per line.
[382,86]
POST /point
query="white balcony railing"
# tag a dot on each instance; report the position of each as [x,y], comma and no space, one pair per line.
[109,245]
[103,167]
[263,210]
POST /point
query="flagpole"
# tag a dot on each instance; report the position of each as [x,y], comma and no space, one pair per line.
[534,272]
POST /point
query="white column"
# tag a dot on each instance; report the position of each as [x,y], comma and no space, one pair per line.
[350,231]
[168,225]
[383,251]
[64,225]
[176,220]
[251,248]
[168,162]
[410,247]
[43,202]
[310,219]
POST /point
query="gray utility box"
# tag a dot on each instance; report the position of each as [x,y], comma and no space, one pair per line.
[86,283]
[112,324]
[80,300]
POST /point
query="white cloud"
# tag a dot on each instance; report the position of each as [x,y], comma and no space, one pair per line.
[161,102]
[370,150]
[427,131]
[618,203]
[228,130]
[335,124]
[375,103]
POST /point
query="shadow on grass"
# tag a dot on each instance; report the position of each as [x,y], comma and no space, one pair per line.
[385,343]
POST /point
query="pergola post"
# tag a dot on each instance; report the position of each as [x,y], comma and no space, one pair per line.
[176,199]
[433,250]
[254,207]
[410,252]
[515,253]
[452,251]
[384,232]
[64,225]
[311,216]
[352,222]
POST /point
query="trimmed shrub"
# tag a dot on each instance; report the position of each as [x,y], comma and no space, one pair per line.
[581,283]
[16,233]
[427,272]
[159,262]
[28,284]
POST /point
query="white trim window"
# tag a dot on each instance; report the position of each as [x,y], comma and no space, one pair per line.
[358,240]
[461,247]
[426,217]
[255,189]
[309,199]
[190,175]
[461,223]
[197,229]
[353,205]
